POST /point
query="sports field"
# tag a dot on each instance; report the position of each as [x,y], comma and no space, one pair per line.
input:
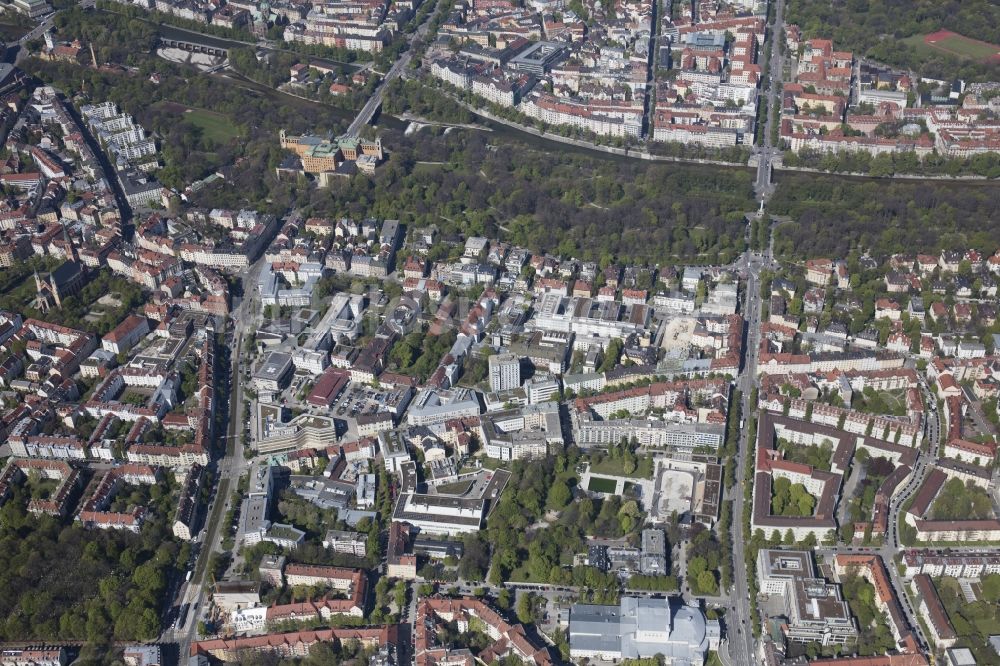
[952,43]
[599,485]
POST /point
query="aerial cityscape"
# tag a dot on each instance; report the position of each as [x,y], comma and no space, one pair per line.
[499,332]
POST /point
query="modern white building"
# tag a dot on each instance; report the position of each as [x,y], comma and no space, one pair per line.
[350,543]
[814,609]
[590,321]
[641,628]
[440,514]
[541,390]
[505,372]
[522,433]
[648,432]
[274,372]
[437,406]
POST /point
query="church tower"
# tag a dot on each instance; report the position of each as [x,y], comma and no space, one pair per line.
[42,290]
[69,248]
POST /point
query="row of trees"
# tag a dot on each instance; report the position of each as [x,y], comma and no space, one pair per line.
[655,583]
[704,561]
[888,164]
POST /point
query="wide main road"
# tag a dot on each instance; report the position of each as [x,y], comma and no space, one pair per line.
[776,69]
[229,468]
[740,630]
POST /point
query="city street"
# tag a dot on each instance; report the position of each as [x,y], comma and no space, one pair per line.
[767,153]
[741,643]
[228,469]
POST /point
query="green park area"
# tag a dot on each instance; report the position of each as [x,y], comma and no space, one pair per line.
[213,125]
[892,403]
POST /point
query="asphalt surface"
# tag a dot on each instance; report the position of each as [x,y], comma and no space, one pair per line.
[228,469]
[375,101]
[740,630]
[768,152]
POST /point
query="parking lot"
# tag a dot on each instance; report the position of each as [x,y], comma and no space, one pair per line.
[359,399]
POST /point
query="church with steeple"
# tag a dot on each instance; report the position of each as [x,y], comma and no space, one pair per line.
[66,280]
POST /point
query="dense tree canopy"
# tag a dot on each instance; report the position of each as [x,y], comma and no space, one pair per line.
[555,201]
[830,215]
[67,583]
[960,501]
[791,499]
[876,28]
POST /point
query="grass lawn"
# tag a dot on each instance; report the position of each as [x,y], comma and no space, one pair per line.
[134,397]
[41,488]
[613,467]
[425,167]
[215,126]
[602,485]
[967,48]
[892,403]
[920,46]
[488,463]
